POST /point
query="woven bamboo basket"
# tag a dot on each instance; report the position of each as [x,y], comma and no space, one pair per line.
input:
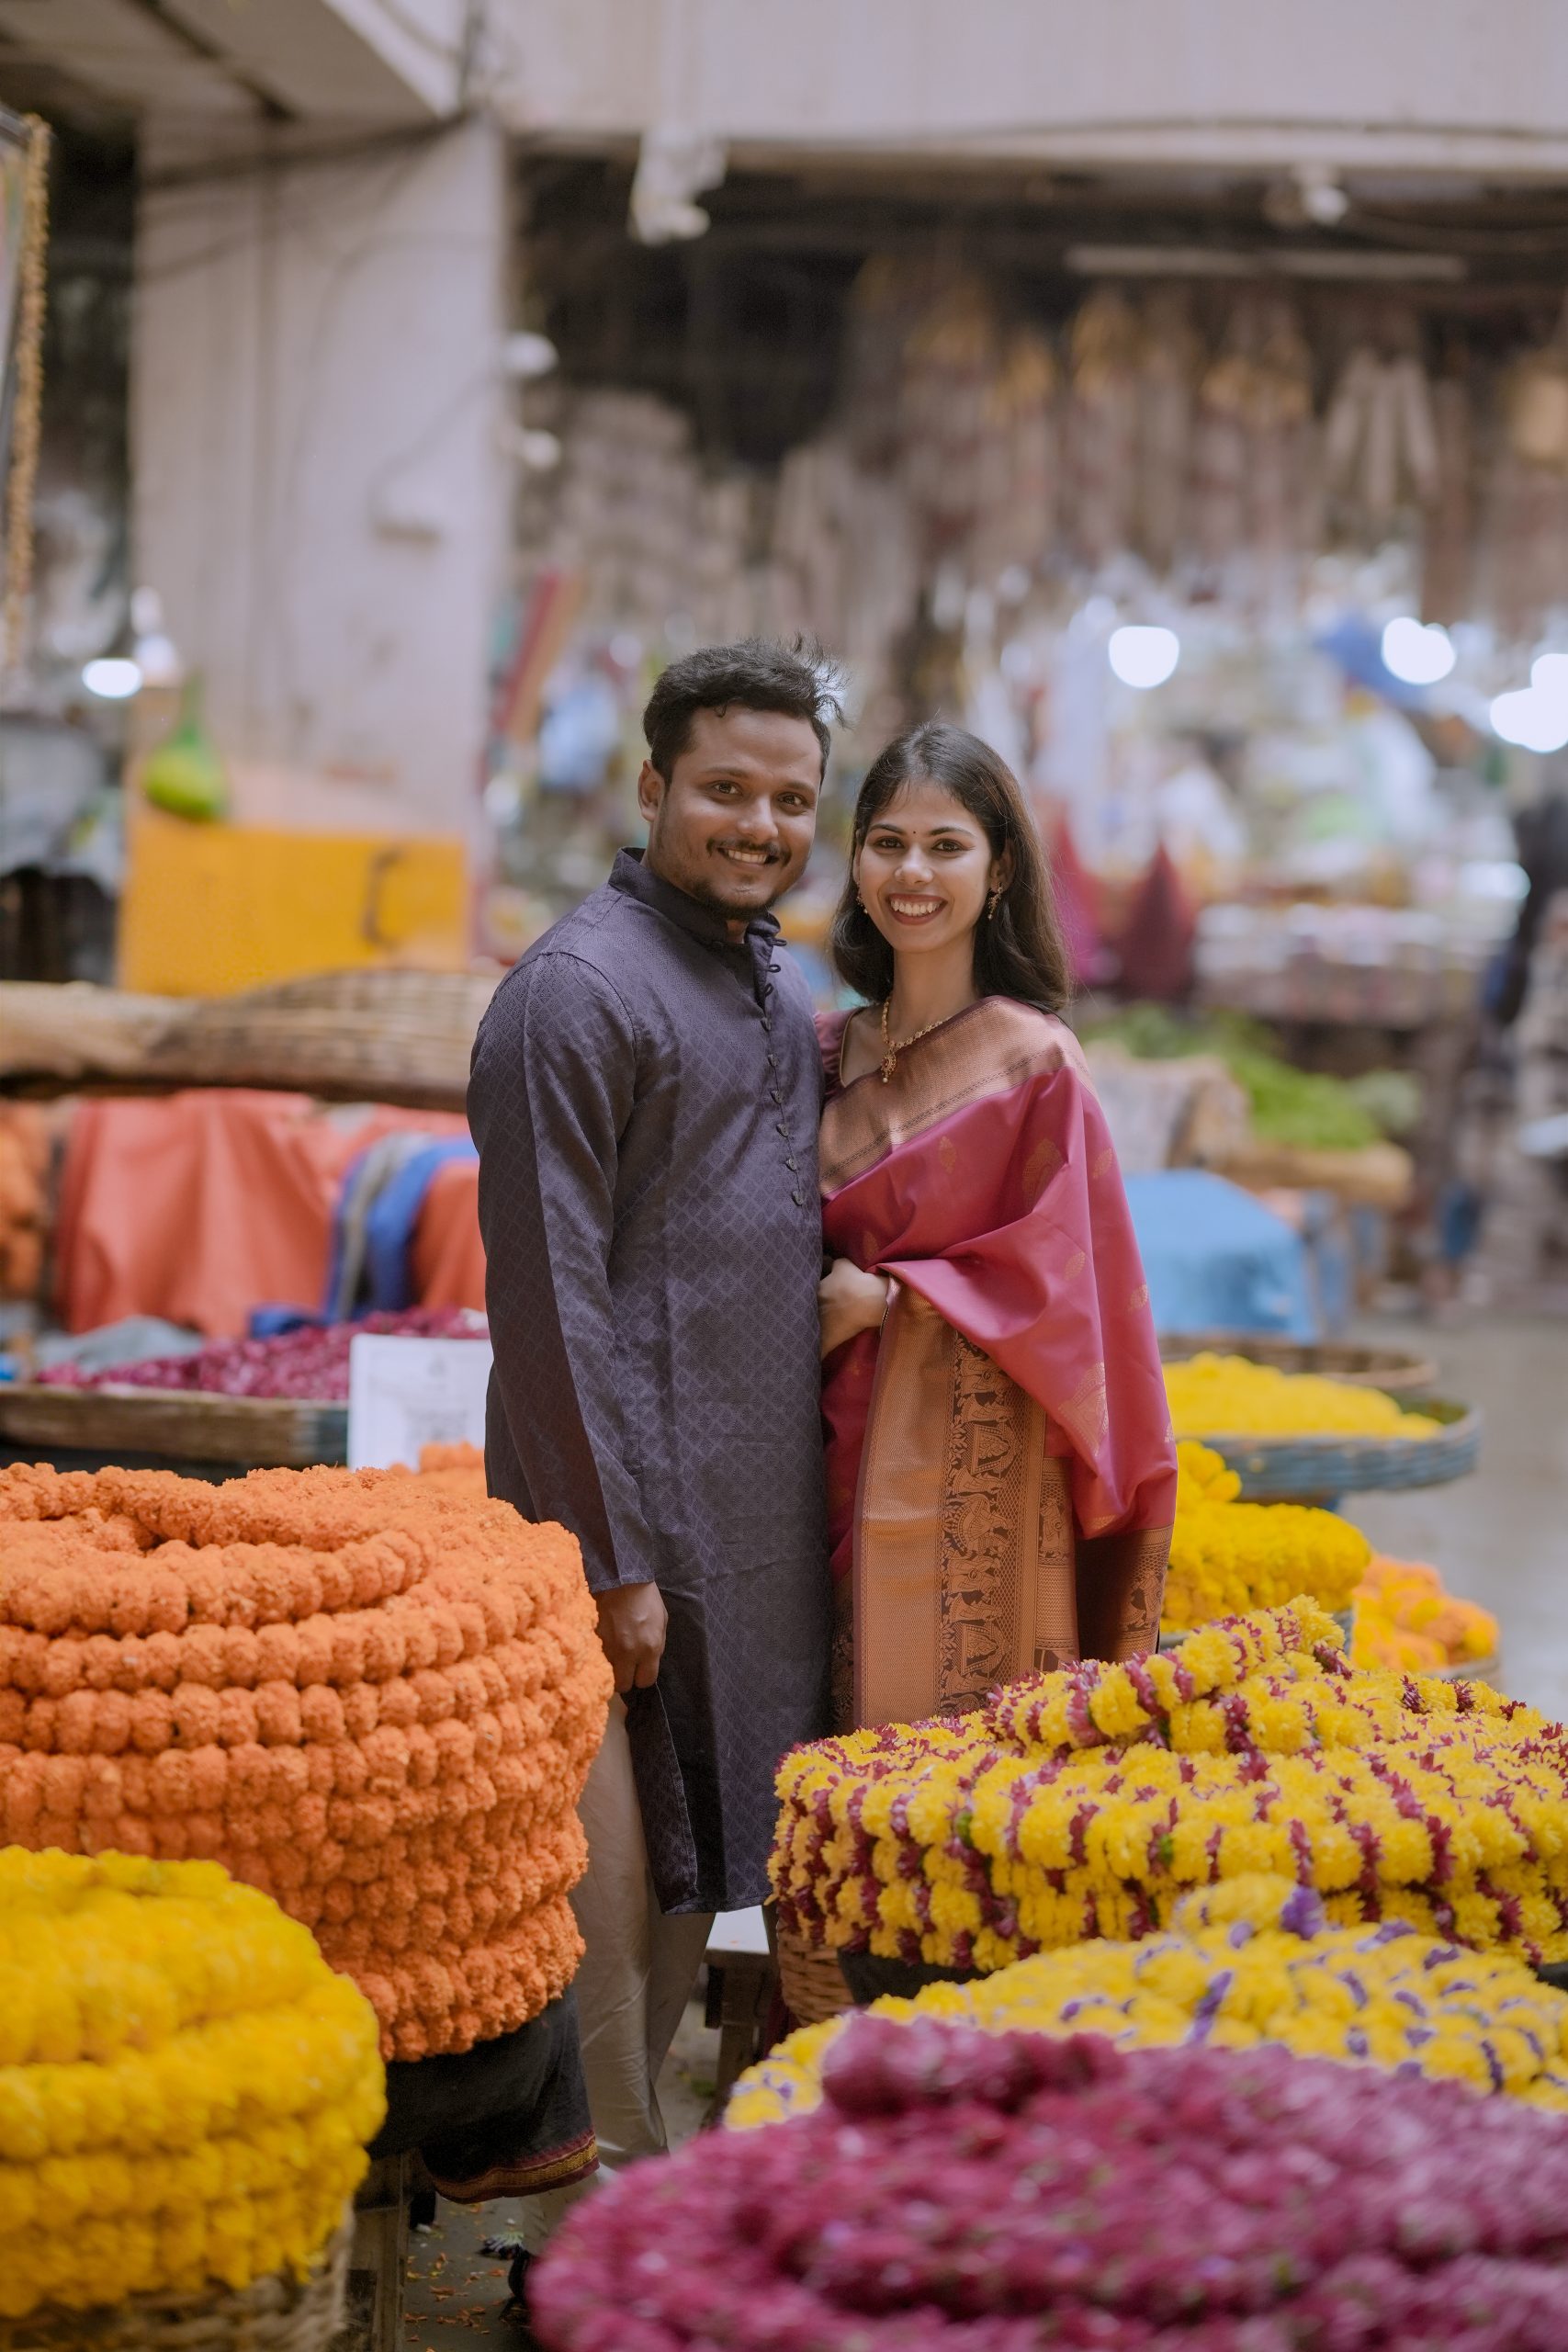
[1314,1469]
[811,1979]
[173,1424]
[1394,1369]
[379,1035]
[275,2314]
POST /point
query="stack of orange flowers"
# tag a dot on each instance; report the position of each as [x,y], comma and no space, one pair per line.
[375,1700]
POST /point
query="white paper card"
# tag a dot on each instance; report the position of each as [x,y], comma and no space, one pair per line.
[407,1394]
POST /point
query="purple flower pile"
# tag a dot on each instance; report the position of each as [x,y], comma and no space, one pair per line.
[311,1362]
[969,2192]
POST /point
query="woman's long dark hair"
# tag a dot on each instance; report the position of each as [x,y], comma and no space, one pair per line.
[1019,950]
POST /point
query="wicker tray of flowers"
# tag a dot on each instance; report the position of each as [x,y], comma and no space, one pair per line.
[1396,1371]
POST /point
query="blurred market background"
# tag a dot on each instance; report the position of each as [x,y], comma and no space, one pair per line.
[391,389]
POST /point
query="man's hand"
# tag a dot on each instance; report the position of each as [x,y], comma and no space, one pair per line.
[850,1302]
[632,1623]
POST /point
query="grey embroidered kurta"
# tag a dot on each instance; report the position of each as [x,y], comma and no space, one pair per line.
[644,1096]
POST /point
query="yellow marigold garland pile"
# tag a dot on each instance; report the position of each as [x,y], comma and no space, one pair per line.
[375,1700]
[1230,1397]
[1228,1556]
[1251,1961]
[186,2088]
[1085,1802]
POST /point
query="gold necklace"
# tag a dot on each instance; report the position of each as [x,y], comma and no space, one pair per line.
[890,1052]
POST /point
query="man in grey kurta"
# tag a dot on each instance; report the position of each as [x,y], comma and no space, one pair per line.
[645,1095]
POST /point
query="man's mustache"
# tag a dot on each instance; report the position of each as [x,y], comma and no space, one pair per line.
[771,857]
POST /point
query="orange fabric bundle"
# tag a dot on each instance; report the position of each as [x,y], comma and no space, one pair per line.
[374,1700]
[23,1169]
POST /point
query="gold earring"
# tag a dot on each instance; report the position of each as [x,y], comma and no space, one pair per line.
[992,903]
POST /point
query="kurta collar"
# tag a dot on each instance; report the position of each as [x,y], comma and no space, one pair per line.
[631,874]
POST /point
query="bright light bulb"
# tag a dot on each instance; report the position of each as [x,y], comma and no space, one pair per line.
[113,678]
[529,357]
[1419,656]
[1144,657]
[1534,720]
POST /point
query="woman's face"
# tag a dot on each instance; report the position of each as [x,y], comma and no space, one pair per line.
[925,869]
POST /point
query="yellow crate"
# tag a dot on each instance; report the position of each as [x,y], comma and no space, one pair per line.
[208,909]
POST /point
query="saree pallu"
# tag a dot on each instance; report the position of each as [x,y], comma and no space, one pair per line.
[1000,1469]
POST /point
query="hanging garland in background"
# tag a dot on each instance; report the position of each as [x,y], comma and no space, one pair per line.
[28,407]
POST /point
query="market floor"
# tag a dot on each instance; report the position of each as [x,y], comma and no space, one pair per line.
[456,2294]
[1500,1537]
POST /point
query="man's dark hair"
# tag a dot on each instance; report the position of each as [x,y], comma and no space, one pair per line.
[756,674]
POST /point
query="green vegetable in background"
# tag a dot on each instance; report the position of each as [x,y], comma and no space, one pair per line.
[184,775]
[1290,1106]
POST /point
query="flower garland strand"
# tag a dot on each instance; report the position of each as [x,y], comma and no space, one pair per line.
[1088,1802]
[1251,1961]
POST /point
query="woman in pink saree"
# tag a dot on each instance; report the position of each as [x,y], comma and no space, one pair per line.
[1001,1473]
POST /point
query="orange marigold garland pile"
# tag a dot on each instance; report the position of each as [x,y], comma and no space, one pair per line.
[374,1700]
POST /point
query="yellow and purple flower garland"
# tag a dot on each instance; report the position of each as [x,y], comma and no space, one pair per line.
[1251,1961]
[1087,1803]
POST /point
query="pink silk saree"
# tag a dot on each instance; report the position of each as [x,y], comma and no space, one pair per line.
[1001,1479]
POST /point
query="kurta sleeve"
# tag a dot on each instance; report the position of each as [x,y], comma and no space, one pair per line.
[551,1091]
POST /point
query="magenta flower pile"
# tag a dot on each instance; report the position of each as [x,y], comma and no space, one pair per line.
[967,2192]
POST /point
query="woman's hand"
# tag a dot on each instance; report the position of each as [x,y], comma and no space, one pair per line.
[850,1302]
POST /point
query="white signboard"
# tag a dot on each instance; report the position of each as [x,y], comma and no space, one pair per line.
[404,1395]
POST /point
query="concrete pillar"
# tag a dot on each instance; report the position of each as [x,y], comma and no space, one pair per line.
[322,491]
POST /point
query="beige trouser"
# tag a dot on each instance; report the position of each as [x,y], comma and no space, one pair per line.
[635,1980]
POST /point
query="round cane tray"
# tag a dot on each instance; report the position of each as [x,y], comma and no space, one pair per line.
[275,2314]
[1307,1469]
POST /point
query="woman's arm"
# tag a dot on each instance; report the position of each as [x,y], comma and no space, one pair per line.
[851,1302]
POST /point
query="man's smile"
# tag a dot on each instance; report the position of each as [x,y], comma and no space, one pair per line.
[746,853]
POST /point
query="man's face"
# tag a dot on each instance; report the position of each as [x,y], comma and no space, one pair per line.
[733,825]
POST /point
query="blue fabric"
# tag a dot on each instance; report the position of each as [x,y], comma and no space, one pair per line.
[1217,1260]
[394,1213]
